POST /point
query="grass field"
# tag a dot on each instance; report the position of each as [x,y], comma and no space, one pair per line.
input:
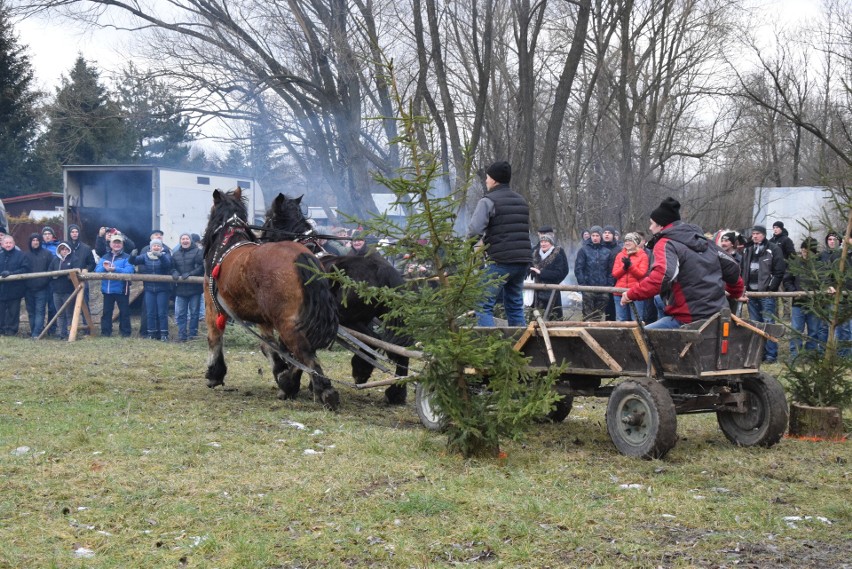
[113,453]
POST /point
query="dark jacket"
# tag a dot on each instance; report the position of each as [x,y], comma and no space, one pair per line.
[802,275]
[62,284]
[187,263]
[770,266]
[40,259]
[83,257]
[690,273]
[592,267]
[553,270]
[783,241]
[502,218]
[13,262]
[161,265]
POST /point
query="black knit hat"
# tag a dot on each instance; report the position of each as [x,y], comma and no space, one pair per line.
[500,172]
[810,244]
[545,229]
[759,229]
[3,230]
[48,229]
[667,212]
[779,224]
[730,236]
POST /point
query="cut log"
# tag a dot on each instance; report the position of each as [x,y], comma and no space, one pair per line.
[818,423]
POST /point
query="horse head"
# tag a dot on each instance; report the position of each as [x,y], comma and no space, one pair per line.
[285,219]
[227,206]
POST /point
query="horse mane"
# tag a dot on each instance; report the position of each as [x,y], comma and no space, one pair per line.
[285,219]
[225,206]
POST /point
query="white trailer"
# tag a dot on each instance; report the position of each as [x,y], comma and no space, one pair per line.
[796,206]
[138,198]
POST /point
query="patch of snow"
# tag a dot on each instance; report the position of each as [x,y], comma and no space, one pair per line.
[294,424]
[83,553]
[310,451]
[631,486]
[20,451]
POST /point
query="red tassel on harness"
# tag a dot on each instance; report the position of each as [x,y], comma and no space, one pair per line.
[215,273]
[221,320]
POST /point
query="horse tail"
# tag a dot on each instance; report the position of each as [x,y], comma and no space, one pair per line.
[318,317]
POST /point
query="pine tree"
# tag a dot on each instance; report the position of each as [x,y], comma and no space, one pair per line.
[18,115]
[161,134]
[85,125]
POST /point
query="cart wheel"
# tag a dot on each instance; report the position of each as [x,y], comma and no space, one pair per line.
[766,419]
[641,418]
[430,416]
[561,408]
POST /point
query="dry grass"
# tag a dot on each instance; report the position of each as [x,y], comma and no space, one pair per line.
[132,458]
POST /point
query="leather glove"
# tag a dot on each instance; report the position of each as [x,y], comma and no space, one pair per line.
[184,276]
[5,274]
[626,261]
[175,275]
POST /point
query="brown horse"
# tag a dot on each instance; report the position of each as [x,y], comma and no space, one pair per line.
[285,220]
[273,285]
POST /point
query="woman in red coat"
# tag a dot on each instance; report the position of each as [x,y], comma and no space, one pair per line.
[630,267]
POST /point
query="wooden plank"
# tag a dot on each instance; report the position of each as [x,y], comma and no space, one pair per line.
[598,349]
[75,319]
[524,337]
[755,329]
[740,371]
[543,327]
[71,297]
[85,310]
[387,346]
[643,348]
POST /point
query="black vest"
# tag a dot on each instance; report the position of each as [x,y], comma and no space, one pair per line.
[508,232]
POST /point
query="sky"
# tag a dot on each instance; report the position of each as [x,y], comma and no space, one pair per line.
[54,46]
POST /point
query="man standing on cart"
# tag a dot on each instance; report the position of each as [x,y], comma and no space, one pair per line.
[690,272]
[502,219]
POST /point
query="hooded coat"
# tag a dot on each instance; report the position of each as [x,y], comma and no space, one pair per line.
[690,273]
[62,284]
[40,259]
[783,241]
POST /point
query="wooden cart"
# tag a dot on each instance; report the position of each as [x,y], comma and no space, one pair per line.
[712,366]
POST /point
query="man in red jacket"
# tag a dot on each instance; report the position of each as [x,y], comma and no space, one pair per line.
[691,273]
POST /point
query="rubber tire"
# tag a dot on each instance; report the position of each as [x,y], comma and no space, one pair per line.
[430,416]
[656,434]
[561,409]
[766,421]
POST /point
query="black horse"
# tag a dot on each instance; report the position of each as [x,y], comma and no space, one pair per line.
[285,220]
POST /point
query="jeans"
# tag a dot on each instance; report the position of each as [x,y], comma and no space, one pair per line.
[664,323]
[51,312]
[625,313]
[513,294]
[123,303]
[763,310]
[36,309]
[64,319]
[187,306]
[801,319]
[157,309]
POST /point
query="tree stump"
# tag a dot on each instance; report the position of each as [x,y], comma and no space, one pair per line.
[821,423]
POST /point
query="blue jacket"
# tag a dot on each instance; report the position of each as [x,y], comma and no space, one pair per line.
[161,265]
[121,262]
[593,265]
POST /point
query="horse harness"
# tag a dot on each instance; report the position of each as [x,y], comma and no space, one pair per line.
[234,225]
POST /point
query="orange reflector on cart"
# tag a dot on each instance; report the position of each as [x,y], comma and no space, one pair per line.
[726,328]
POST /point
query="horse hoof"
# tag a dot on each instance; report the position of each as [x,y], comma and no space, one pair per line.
[284,396]
[211,383]
[331,399]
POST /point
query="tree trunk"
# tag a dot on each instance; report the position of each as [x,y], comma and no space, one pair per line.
[821,423]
